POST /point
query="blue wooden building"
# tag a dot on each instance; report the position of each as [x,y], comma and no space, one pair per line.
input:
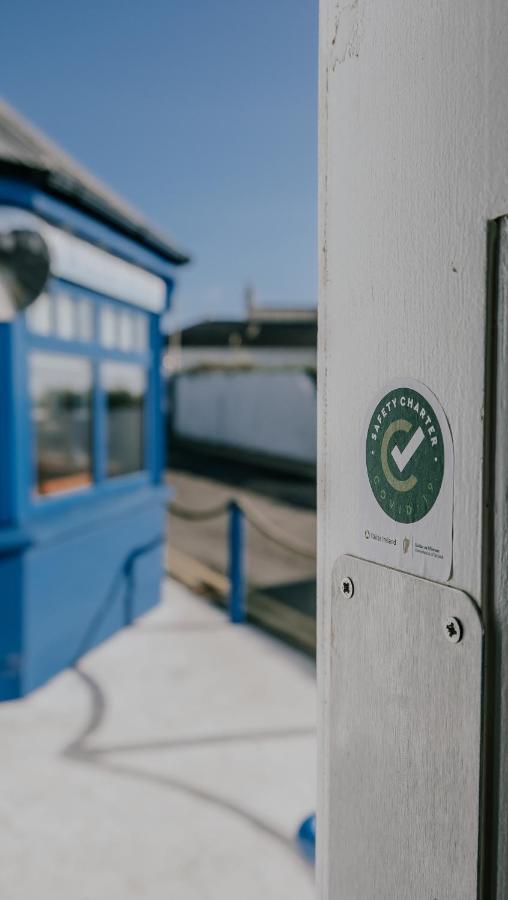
[82,498]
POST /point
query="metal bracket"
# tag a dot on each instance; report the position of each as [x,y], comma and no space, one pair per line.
[404,737]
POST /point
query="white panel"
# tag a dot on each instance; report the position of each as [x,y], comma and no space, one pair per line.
[81,262]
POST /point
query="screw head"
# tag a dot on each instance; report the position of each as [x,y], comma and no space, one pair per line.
[453,629]
[347,587]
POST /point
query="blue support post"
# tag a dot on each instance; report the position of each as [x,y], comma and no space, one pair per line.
[237,605]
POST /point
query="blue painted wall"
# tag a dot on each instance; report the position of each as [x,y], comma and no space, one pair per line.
[11,625]
[82,585]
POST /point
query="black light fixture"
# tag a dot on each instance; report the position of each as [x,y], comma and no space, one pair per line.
[24,270]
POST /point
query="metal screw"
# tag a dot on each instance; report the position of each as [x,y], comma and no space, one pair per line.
[347,587]
[453,630]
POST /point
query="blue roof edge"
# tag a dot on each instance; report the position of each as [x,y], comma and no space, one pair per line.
[26,196]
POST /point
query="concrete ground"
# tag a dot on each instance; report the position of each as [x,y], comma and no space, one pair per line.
[177,762]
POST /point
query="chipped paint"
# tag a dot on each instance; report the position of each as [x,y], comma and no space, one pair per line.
[346,38]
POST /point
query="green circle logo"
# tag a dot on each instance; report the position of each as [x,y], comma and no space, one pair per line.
[405,455]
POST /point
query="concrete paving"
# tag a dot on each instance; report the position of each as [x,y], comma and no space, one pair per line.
[176,762]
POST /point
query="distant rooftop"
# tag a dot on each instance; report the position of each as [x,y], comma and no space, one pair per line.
[29,155]
[257,331]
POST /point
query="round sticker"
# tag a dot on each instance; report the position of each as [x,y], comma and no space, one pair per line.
[405,455]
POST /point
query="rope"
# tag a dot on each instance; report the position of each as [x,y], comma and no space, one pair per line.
[275,534]
[198,515]
[254,517]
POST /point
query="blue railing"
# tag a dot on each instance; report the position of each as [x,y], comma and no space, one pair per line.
[237,580]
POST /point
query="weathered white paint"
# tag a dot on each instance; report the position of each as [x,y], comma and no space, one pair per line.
[413,164]
[265,413]
[82,263]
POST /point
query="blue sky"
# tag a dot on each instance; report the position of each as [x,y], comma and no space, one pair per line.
[202,113]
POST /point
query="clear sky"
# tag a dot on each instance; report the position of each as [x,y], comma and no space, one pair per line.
[202,113]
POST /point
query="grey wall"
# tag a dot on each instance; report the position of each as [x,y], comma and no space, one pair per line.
[271,413]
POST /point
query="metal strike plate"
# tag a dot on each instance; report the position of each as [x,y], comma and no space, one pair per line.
[405,737]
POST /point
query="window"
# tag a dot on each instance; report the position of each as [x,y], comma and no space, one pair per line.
[65,316]
[62,315]
[141,332]
[39,315]
[84,311]
[123,329]
[89,357]
[108,326]
[61,387]
[126,330]
[124,385]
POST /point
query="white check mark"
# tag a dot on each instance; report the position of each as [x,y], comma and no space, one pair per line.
[401,459]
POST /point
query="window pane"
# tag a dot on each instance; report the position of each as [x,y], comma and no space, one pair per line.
[65,316]
[85,319]
[141,333]
[125,386]
[126,330]
[61,412]
[38,315]
[109,337]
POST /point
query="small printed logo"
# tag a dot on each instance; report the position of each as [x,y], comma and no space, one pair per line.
[405,456]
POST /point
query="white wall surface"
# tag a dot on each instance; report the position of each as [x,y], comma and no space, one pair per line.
[260,412]
[413,164]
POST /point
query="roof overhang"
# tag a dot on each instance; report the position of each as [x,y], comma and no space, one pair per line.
[64,187]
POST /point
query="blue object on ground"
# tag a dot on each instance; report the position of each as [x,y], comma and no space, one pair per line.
[306,838]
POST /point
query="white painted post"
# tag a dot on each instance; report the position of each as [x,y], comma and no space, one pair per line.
[413,178]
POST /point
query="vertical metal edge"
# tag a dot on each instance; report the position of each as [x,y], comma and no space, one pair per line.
[494,849]
[323,567]
[488,837]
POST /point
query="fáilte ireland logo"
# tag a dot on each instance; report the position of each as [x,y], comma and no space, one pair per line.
[405,455]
